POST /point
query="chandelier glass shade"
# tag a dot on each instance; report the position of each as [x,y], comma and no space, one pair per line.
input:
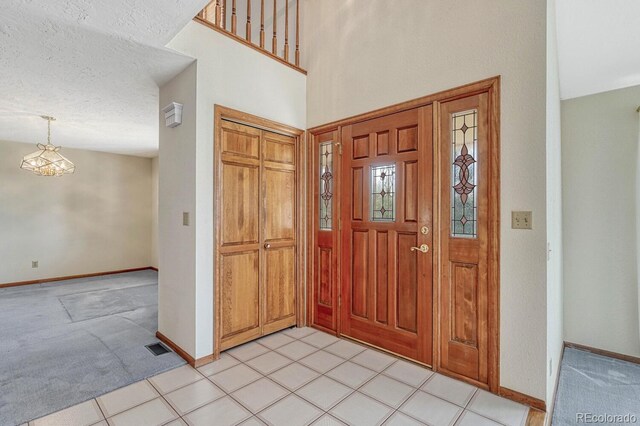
[47,160]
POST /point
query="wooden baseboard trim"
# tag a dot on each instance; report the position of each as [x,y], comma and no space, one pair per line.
[603,352]
[73,277]
[522,398]
[153,268]
[535,417]
[204,361]
[195,363]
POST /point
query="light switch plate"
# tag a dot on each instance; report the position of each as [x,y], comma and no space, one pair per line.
[185,218]
[521,220]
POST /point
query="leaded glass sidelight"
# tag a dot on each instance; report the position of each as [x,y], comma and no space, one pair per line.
[383,191]
[464,207]
[326,185]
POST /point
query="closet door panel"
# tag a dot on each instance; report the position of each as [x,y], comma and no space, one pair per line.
[279,232]
[280,289]
[240,292]
[239,289]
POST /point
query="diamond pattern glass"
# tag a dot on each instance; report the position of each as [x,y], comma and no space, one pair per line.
[326,185]
[464,206]
[383,190]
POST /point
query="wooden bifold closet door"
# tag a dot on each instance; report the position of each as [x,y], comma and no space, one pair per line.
[257,245]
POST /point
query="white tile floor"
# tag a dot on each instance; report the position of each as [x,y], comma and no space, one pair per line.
[297,377]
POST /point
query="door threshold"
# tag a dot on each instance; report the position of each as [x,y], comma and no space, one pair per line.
[421,364]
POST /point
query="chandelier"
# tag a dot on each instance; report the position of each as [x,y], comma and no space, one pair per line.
[47,161]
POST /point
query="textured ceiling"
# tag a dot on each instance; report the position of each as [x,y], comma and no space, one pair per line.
[94,65]
[598,45]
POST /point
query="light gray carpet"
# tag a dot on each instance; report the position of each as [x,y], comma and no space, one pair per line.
[596,385]
[66,342]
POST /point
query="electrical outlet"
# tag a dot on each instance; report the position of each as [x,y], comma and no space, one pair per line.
[185,218]
[34,263]
[521,220]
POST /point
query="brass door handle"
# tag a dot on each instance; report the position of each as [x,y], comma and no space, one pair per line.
[267,245]
[423,248]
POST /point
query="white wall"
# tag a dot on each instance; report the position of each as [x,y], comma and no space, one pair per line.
[154,212]
[599,154]
[96,220]
[234,76]
[554,209]
[177,194]
[362,58]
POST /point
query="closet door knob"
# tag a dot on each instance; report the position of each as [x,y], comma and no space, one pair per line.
[267,245]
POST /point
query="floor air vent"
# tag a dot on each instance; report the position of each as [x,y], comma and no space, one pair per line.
[157,349]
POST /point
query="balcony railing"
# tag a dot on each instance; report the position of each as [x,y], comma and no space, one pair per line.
[223,16]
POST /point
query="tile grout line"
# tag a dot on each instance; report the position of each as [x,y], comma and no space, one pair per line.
[393,410]
[104,417]
[318,374]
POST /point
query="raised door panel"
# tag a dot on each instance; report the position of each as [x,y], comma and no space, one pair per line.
[407,283]
[279,151]
[360,277]
[280,286]
[240,140]
[280,195]
[325,277]
[382,276]
[240,204]
[239,297]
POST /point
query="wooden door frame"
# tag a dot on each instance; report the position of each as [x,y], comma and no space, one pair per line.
[224,113]
[491,86]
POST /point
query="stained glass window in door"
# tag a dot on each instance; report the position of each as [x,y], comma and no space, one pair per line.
[464,145]
[383,192]
[326,185]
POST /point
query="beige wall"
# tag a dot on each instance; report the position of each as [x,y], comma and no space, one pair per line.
[95,220]
[599,167]
[364,57]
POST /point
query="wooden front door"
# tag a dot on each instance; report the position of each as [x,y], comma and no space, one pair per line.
[257,245]
[386,219]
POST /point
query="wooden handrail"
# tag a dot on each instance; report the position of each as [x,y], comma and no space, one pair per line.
[215,14]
